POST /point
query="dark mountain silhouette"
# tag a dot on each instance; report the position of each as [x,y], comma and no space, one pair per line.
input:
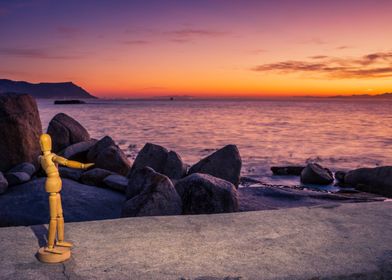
[45,90]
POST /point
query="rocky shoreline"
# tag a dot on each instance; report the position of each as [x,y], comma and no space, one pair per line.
[158,182]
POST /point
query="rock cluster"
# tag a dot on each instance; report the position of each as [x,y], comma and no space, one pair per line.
[157,183]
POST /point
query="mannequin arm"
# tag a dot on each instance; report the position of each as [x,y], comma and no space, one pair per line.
[71,163]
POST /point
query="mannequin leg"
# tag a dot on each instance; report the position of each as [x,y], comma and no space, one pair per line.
[60,225]
[52,224]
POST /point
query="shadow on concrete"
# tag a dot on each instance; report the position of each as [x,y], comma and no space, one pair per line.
[40,231]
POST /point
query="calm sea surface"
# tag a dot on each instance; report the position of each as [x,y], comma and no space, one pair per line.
[339,134]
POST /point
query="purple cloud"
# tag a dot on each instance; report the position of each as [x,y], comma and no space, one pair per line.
[36,53]
[374,65]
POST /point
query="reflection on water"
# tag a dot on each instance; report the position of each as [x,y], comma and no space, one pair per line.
[337,134]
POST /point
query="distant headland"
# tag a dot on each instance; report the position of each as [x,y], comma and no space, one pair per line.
[45,90]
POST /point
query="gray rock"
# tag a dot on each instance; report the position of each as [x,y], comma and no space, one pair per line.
[294,170]
[138,180]
[205,194]
[161,160]
[116,182]
[107,155]
[224,163]
[259,197]
[157,197]
[3,183]
[374,180]
[314,173]
[151,155]
[95,177]
[27,204]
[16,178]
[79,150]
[70,173]
[66,131]
[20,129]
[113,158]
[98,147]
[25,167]
[174,167]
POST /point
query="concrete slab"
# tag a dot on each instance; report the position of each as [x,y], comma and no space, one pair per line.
[350,241]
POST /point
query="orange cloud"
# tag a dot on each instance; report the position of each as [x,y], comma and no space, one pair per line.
[374,65]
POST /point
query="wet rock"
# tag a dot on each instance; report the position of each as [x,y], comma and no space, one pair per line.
[98,147]
[139,178]
[66,131]
[70,173]
[294,170]
[27,204]
[78,151]
[174,167]
[95,177]
[16,178]
[3,183]
[25,167]
[107,155]
[224,163]
[20,128]
[314,173]
[205,194]
[374,180]
[151,155]
[113,158]
[156,196]
[116,182]
[161,160]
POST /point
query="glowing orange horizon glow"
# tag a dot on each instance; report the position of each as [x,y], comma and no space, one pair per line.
[203,49]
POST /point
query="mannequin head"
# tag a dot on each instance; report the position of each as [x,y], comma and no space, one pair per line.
[46,143]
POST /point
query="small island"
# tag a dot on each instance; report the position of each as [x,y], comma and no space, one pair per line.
[69,102]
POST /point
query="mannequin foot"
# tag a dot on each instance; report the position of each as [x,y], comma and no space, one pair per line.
[64,244]
[53,250]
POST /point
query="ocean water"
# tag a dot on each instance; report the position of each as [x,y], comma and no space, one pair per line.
[339,134]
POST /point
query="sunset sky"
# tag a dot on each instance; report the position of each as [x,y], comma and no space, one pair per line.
[200,48]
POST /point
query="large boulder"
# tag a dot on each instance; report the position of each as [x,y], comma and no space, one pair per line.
[107,155]
[156,196]
[95,177]
[375,180]
[16,178]
[116,182]
[98,147]
[27,204]
[113,159]
[161,160]
[20,129]
[174,167]
[25,167]
[79,150]
[3,183]
[225,163]
[314,173]
[138,180]
[70,173]
[66,131]
[205,194]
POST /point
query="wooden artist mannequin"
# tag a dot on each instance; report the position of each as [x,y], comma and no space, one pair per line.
[55,251]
